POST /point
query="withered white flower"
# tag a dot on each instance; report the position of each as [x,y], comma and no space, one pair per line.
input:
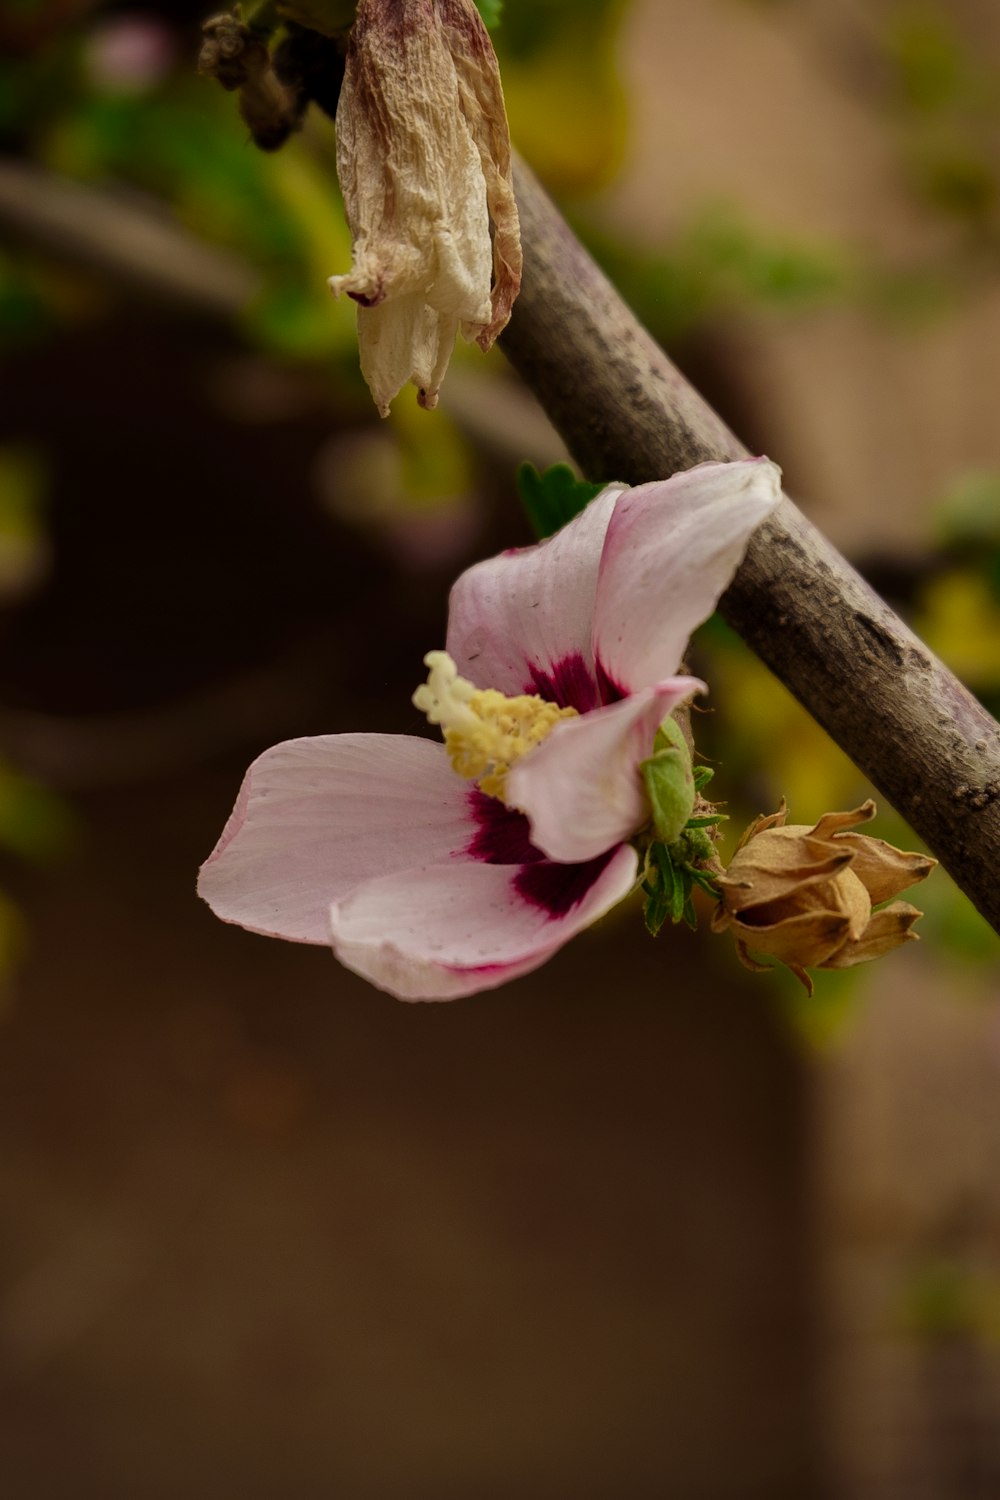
[423,156]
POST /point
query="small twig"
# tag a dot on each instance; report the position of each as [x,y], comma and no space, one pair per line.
[129,238]
[261,17]
[626,413]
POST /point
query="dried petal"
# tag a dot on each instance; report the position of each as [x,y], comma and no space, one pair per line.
[767,870]
[483,106]
[831,823]
[888,929]
[809,938]
[885,871]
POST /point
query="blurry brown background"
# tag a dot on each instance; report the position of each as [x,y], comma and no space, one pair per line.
[637,1225]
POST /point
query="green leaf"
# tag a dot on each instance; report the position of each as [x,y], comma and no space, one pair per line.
[553,498]
[490,11]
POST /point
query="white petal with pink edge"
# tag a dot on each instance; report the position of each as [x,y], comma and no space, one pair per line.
[532,607]
[316,817]
[452,930]
[581,788]
[671,548]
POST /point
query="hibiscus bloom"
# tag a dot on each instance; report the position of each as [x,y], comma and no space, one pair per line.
[439,870]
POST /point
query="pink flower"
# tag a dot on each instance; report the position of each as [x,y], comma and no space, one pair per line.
[434,886]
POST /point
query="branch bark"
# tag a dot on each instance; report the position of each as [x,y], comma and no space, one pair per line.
[627,413]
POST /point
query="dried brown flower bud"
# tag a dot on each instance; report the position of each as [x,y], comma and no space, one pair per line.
[804,896]
[423,156]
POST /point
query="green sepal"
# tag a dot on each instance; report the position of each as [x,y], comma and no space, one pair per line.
[669,782]
[673,880]
[655,913]
[670,736]
[703,880]
[677,857]
[661,888]
[680,896]
[553,498]
[668,886]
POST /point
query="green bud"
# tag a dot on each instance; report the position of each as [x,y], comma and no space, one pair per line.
[694,847]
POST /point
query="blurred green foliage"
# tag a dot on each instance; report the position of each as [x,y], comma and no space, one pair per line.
[720,263]
[933,68]
[26,313]
[36,825]
[959,607]
[943,1297]
[946,95]
[565,102]
[23,538]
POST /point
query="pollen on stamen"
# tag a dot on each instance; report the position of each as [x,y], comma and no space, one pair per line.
[485,732]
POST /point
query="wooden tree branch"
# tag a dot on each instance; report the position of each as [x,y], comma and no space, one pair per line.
[626,413]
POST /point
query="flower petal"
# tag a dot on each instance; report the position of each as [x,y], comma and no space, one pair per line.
[404,340]
[807,939]
[888,929]
[481,98]
[581,788]
[671,549]
[785,861]
[522,622]
[316,817]
[451,930]
[883,869]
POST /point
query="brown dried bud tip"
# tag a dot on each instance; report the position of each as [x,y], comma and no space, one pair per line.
[804,896]
[239,59]
[423,156]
